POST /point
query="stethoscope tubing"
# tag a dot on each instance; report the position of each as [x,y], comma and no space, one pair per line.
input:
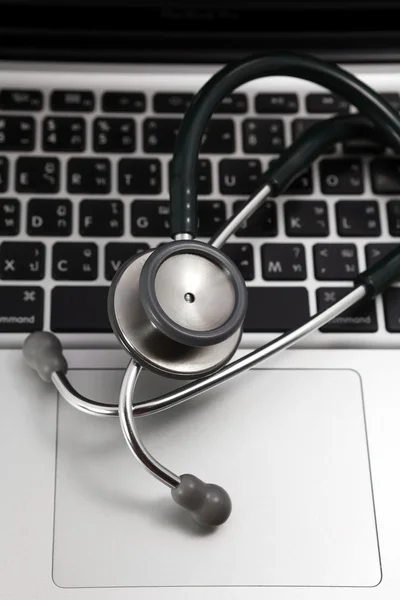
[183,181]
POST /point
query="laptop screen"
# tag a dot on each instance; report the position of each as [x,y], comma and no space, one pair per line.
[196,30]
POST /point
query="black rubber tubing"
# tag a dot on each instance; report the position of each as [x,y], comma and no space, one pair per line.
[308,147]
[297,157]
[183,180]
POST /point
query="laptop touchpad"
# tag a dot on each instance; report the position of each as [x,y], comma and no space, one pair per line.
[290,446]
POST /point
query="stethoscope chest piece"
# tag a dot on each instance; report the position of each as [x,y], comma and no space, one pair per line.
[179,309]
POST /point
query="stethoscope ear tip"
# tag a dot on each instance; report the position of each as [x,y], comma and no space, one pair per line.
[42,352]
[209,504]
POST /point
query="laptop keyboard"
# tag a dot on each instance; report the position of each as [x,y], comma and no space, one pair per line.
[84,166]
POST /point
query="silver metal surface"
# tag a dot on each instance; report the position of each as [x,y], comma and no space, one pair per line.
[233,224]
[201,298]
[75,399]
[113,527]
[183,237]
[130,433]
[250,360]
[149,346]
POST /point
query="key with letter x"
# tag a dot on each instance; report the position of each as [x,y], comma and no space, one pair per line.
[22,260]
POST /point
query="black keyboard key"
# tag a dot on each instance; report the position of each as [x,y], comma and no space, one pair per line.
[171,102]
[72,101]
[118,253]
[243,257]
[73,262]
[238,176]
[233,104]
[123,102]
[49,217]
[64,134]
[150,218]
[21,309]
[393,214]
[359,319]
[358,218]
[139,176]
[262,223]
[374,252]
[4,165]
[22,260]
[302,185]
[306,218]
[37,175]
[299,126]
[326,103]
[275,310]
[341,176]
[391,307]
[21,99]
[263,136]
[90,315]
[204,177]
[219,137]
[281,104]
[335,261]
[114,135]
[159,135]
[385,175]
[285,262]
[10,214]
[101,218]
[17,133]
[211,214]
[89,176]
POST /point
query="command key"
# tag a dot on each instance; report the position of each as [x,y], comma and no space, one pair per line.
[21,309]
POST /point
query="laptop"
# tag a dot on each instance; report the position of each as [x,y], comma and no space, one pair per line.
[307,443]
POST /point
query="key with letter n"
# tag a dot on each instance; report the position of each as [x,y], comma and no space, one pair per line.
[283,262]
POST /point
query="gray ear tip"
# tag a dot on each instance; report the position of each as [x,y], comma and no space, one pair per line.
[209,504]
[43,352]
[43,338]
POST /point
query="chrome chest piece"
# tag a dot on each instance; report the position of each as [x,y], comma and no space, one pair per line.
[178,310]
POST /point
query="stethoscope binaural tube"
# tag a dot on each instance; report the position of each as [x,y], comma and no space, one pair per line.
[184,163]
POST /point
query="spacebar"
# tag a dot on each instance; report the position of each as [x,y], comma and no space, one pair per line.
[79,309]
[276,309]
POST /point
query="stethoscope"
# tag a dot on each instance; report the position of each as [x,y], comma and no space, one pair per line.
[178,310]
